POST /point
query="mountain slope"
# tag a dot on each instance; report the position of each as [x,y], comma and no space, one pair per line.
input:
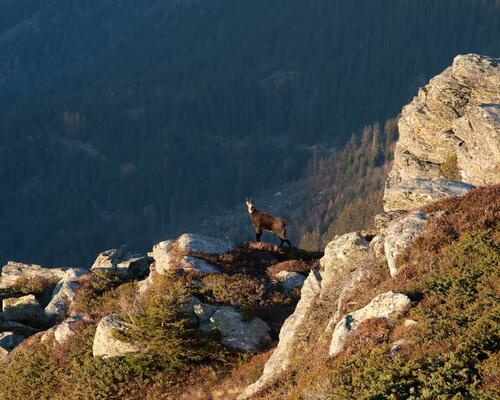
[138,114]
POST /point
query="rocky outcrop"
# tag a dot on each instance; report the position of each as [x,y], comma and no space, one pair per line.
[162,254]
[419,192]
[399,234]
[453,122]
[126,265]
[289,280]
[280,359]
[381,306]
[24,309]
[341,255]
[64,294]
[198,244]
[236,333]
[13,271]
[106,344]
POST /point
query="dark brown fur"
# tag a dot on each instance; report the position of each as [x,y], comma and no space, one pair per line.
[263,221]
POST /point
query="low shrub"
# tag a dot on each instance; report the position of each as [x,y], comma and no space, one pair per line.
[102,292]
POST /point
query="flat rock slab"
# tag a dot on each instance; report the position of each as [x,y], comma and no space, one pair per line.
[24,309]
[127,265]
[13,271]
[381,306]
[416,193]
[189,243]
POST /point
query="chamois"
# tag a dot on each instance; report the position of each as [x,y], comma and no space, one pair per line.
[262,221]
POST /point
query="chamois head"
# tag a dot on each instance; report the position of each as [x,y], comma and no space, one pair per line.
[250,206]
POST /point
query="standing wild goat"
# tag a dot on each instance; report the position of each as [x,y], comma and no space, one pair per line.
[262,221]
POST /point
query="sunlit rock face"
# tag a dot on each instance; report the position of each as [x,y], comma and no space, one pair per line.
[453,124]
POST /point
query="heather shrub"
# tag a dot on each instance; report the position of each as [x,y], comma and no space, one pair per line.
[101,292]
[240,290]
[452,275]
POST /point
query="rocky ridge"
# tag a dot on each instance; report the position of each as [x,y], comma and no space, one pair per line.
[453,118]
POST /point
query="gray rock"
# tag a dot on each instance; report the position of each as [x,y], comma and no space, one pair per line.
[13,271]
[193,244]
[238,334]
[399,234]
[289,280]
[162,254]
[416,193]
[383,219]
[64,294]
[342,254]
[9,340]
[381,306]
[17,328]
[456,114]
[24,309]
[280,359]
[66,329]
[190,263]
[127,265]
[105,344]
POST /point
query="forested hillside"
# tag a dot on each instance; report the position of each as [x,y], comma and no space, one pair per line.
[122,121]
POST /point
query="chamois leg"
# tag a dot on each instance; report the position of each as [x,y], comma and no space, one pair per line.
[258,234]
[284,239]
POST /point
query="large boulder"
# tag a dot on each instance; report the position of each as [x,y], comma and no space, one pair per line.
[342,254]
[127,265]
[381,306]
[399,234]
[280,359]
[236,333]
[162,254]
[13,271]
[189,243]
[454,122]
[25,309]
[64,294]
[106,344]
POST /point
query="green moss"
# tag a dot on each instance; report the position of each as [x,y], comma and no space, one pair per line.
[449,168]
